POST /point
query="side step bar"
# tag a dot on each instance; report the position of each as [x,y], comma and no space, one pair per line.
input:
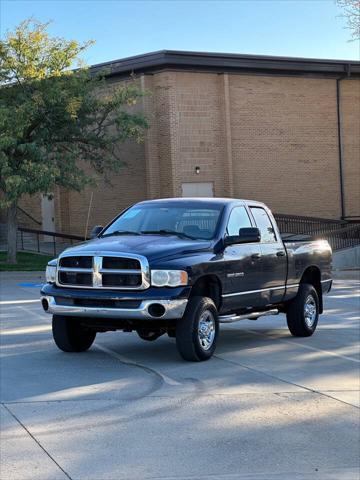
[246,316]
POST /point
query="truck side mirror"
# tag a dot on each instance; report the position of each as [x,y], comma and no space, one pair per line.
[246,235]
[95,231]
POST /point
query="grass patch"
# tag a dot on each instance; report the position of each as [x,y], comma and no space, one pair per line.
[26,261]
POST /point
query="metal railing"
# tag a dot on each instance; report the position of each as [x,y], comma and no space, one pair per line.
[298,224]
[28,215]
[38,240]
[344,237]
[339,233]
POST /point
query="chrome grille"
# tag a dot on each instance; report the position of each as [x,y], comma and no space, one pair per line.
[114,271]
[76,262]
[75,278]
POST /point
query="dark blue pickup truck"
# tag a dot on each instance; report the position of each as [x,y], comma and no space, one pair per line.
[182,266]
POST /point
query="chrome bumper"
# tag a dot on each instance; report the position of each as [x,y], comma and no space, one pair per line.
[174,309]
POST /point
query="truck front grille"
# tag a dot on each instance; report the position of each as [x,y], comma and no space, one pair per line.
[76,262]
[72,278]
[115,271]
[121,263]
[116,280]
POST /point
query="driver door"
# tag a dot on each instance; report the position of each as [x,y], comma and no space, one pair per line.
[242,266]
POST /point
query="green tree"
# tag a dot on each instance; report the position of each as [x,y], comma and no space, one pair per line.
[55,119]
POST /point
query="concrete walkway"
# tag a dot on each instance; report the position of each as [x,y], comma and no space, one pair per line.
[267,407]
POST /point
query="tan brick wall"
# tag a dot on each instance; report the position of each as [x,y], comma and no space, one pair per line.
[350,113]
[151,147]
[273,139]
[127,187]
[197,130]
[279,132]
[32,205]
[163,93]
[285,145]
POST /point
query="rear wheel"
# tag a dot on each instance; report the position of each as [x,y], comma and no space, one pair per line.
[197,331]
[70,336]
[303,312]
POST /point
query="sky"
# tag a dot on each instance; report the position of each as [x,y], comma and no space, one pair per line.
[297,28]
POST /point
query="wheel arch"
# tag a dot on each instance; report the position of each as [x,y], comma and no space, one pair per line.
[208,286]
[312,275]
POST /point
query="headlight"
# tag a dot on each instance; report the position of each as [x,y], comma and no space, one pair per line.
[50,272]
[168,278]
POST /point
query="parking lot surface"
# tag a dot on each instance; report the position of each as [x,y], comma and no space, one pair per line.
[268,406]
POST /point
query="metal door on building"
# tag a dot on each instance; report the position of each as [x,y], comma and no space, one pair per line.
[48,214]
[199,189]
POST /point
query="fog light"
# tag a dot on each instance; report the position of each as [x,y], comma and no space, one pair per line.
[156,310]
[45,304]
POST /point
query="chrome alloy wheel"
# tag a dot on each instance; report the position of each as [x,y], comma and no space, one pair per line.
[310,311]
[206,330]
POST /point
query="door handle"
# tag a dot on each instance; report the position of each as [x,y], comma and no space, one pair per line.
[255,256]
[280,253]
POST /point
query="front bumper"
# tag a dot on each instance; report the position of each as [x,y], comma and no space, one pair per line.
[171,303]
[173,309]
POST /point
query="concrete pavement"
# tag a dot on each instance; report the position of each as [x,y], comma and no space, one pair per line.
[267,407]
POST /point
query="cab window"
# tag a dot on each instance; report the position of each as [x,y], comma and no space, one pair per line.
[264,225]
[239,218]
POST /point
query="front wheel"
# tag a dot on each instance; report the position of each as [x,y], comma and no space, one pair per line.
[303,312]
[197,331]
[70,336]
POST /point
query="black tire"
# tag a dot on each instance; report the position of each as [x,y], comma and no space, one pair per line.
[188,341]
[299,324]
[148,335]
[70,336]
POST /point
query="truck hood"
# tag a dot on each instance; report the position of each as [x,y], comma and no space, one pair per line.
[151,246]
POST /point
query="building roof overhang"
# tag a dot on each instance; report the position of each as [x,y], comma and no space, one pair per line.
[228,62]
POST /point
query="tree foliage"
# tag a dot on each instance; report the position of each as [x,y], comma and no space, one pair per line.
[54,118]
[51,116]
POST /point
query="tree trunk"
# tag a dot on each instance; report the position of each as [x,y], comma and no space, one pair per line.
[12,233]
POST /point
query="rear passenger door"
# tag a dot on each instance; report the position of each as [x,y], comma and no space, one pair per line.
[273,258]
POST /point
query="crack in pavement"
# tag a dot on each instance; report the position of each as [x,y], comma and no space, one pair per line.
[285,381]
[36,441]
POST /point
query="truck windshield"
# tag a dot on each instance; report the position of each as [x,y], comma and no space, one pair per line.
[182,220]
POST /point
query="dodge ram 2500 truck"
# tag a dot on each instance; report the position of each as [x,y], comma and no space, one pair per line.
[182,266]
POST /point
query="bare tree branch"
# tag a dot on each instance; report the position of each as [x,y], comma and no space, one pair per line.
[352,14]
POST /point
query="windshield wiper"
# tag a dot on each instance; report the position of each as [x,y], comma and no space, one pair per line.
[167,232]
[120,232]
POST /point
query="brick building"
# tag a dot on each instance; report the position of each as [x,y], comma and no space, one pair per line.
[285,131]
